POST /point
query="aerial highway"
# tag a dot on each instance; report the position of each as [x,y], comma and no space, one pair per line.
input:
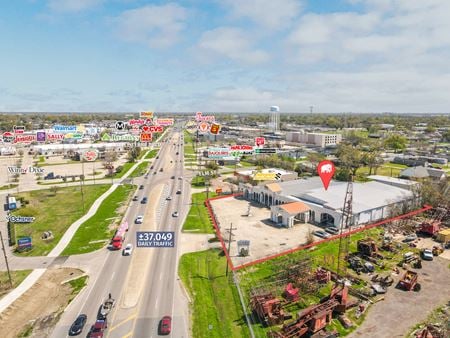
[144,284]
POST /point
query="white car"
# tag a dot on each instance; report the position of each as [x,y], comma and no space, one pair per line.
[175,214]
[139,219]
[180,178]
[427,255]
[128,250]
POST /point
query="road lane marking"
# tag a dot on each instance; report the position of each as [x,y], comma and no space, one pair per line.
[123,321]
[112,275]
[128,335]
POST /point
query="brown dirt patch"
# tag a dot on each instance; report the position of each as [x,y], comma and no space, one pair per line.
[40,306]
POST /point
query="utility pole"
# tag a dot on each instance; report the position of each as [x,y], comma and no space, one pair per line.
[6,260]
[229,244]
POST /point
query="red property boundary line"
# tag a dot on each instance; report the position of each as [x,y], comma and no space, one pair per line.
[302,247]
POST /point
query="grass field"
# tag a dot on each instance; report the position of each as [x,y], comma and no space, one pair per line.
[152,153]
[388,169]
[140,170]
[17,278]
[8,186]
[97,231]
[215,299]
[125,167]
[54,211]
[198,181]
[198,218]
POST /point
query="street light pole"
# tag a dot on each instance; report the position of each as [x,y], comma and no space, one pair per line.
[6,260]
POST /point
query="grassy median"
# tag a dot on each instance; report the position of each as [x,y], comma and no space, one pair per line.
[152,154]
[198,220]
[55,209]
[98,230]
[216,311]
[139,170]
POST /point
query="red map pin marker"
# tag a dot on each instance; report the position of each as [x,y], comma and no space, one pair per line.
[326,169]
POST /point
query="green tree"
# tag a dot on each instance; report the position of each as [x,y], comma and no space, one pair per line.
[350,157]
[396,142]
[446,136]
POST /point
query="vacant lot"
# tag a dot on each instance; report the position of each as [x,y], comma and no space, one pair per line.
[265,239]
[97,230]
[215,299]
[54,210]
[38,310]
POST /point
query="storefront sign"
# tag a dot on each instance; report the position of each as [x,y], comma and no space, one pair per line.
[135,122]
[164,122]
[218,153]
[260,141]
[120,125]
[146,114]
[152,129]
[21,138]
[54,137]
[203,126]
[8,137]
[76,136]
[200,117]
[119,138]
[19,129]
[146,137]
[264,177]
[40,136]
[64,129]
[215,128]
[90,155]
[20,219]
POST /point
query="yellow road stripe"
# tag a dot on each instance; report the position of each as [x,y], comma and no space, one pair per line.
[123,322]
[128,335]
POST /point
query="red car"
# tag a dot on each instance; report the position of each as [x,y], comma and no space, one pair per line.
[165,325]
[98,329]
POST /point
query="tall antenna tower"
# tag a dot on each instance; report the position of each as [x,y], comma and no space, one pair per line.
[275,118]
[346,224]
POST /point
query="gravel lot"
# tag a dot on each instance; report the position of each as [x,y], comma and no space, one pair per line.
[401,310]
[265,239]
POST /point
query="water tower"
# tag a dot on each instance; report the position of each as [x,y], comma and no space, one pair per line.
[275,119]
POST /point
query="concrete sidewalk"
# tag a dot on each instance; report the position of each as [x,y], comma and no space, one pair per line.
[29,281]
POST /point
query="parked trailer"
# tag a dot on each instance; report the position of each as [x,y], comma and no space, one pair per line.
[119,237]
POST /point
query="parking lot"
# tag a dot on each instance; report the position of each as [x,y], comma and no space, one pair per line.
[265,239]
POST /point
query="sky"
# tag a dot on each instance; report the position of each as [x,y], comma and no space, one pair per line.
[225,55]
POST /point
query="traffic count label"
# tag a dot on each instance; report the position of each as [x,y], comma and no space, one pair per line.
[155,239]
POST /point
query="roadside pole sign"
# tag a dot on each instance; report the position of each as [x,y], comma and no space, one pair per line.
[203,126]
[41,136]
[120,125]
[152,129]
[8,137]
[155,239]
[146,114]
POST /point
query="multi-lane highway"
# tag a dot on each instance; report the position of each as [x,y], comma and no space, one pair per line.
[145,283]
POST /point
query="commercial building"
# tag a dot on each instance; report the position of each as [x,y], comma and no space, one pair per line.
[317,139]
[372,201]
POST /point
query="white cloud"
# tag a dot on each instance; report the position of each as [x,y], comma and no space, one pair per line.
[72,5]
[156,26]
[267,13]
[232,43]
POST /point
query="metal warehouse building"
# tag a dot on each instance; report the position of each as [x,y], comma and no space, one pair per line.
[372,201]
